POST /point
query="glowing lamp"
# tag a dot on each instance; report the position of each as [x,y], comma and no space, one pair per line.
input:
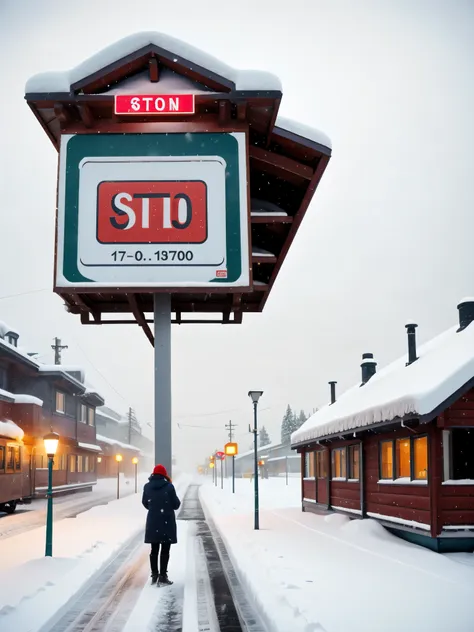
[51,441]
[231,449]
[135,460]
[118,458]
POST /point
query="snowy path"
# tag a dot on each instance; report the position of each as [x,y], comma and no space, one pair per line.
[206,595]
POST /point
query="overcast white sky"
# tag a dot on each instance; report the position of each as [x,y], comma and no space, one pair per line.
[388,236]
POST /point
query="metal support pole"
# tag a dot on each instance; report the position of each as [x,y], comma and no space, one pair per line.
[256,522]
[49,516]
[162,315]
[286,469]
[118,480]
[222,474]
[233,474]
[136,477]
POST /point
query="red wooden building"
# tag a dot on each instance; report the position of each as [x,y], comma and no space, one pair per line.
[399,445]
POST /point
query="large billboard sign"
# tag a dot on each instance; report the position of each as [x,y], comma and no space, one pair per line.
[152,211]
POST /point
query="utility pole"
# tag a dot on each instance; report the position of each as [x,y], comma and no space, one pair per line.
[230,426]
[129,426]
[58,347]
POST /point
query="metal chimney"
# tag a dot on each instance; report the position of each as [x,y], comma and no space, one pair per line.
[466,313]
[333,391]
[368,367]
[410,327]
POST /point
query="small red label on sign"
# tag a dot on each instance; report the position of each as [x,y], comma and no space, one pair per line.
[154,104]
[221,274]
[140,212]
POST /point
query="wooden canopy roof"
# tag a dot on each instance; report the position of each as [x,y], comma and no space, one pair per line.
[285,167]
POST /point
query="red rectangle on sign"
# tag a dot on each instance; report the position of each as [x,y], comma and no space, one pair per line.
[154,104]
[142,212]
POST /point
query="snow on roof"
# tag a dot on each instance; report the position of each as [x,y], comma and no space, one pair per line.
[63,368]
[62,81]
[109,441]
[269,446]
[9,429]
[305,131]
[6,329]
[18,351]
[445,364]
[20,398]
[89,446]
[109,413]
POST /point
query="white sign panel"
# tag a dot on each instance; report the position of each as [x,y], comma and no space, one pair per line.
[138,220]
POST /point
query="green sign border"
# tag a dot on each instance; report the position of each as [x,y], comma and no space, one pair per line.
[83,146]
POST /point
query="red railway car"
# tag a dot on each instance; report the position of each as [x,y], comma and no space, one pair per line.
[15,476]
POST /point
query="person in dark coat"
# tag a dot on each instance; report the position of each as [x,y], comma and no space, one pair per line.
[161,500]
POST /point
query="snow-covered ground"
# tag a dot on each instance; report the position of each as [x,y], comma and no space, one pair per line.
[310,573]
[29,516]
[33,588]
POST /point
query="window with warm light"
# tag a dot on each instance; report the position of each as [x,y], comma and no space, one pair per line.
[72,462]
[80,464]
[420,451]
[403,458]
[339,463]
[321,470]
[17,459]
[386,459]
[60,402]
[10,458]
[2,457]
[354,458]
[309,465]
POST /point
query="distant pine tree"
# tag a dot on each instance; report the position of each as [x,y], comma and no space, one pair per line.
[287,425]
[301,419]
[264,437]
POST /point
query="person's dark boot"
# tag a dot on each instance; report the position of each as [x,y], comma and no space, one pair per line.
[154,579]
[164,581]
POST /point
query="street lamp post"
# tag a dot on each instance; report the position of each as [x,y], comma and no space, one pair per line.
[135,463]
[118,458]
[255,396]
[51,441]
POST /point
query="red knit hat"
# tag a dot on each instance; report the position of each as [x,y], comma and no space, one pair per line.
[160,469]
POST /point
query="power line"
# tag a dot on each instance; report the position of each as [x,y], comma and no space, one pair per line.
[97,370]
[220,412]
[44,289]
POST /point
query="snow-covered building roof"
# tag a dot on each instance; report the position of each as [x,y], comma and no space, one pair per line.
[6,329]
[62,81]
[302,131]
[115,442]
[444,366]
[20,398]
[10,430]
